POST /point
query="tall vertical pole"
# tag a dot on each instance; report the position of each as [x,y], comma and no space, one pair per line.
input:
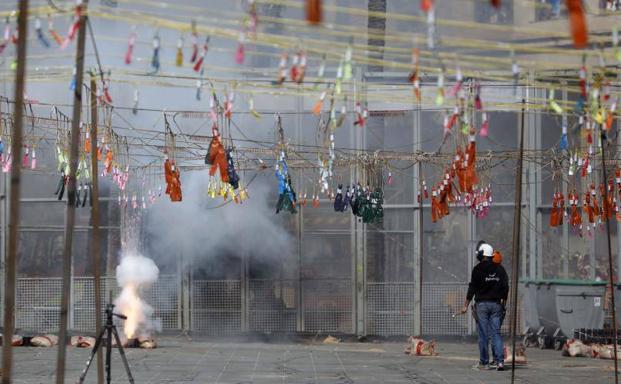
[517,223]
[611,278]
[71,195]
[564,190]
[95,238]
[419,303]
[10,262]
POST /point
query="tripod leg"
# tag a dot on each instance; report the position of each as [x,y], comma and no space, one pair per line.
[93,353]
[109,353]
[122,352]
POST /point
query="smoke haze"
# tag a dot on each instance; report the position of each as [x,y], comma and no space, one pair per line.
[200,228]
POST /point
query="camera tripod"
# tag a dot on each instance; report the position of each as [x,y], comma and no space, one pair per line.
[108,331]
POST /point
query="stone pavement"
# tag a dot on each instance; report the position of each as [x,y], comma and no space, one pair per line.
[201,361]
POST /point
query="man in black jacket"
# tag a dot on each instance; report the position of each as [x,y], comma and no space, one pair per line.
[489,286]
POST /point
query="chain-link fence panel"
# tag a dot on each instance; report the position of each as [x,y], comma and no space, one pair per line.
[390,308]
[272,305]
[216,307]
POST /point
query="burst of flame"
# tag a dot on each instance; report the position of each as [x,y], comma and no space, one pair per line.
[131,305]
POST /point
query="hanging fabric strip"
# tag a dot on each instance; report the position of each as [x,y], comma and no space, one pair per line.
[155,59]
[253,111]
[7,35]
[347,65]
[194,43]
[130,46]
[73,29]
[413,78]
[199,63]
[40,36]
[136,98]
[293,72]
[553,104]
[484,131]
[478,103]
[282,69]
[72,84]
[199,85]
[440,90]
[106,88]
[179,56]
[240,53]
[339,79]
[319,104]
[50,28]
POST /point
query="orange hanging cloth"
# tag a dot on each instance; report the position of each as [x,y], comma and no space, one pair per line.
[554,213]
[577,23]
[313,11]
[168,175]
[576,216]
[470,174]
[596,210]
[217,157]
[175,186]
[108,161]
[434,207]
[443,203]
[459,169]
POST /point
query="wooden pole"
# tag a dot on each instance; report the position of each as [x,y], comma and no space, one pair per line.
[517,223]
[16,150]
[611,280]
[95,224]
[71,196]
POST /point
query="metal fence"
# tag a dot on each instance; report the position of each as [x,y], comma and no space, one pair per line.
[327,305]
[272,305]
[440,302]
[38,303]
[216,307]
[390,308]
[230,307]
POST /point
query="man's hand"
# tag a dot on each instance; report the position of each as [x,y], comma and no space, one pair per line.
[464,309]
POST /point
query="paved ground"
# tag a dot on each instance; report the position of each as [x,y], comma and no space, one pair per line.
[178,361]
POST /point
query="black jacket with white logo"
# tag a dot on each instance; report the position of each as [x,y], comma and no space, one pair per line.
[489,282]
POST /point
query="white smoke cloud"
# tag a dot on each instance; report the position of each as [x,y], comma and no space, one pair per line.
[134,274]
[200,228]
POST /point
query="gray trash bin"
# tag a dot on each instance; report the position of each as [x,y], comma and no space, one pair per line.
[580,306]
[554,308]
[529,305]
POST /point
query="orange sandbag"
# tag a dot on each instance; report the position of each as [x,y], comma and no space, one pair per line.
[17,341]
[520,355]
[44,341]
[420,347]
[576,348]
[82,341]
